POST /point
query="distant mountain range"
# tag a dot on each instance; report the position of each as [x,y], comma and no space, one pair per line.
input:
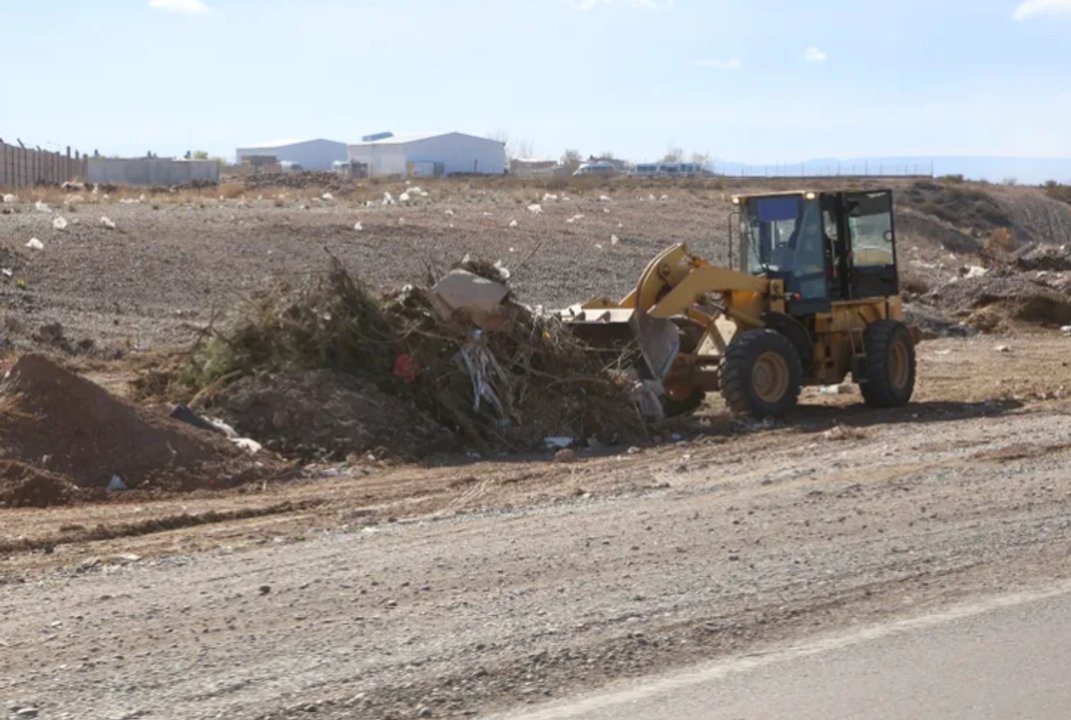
[1026,171]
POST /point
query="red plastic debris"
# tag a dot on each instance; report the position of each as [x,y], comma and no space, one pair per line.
[406,368]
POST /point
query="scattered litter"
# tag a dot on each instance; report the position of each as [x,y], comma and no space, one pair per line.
[1066,329]
[59,223]
[35,244]
[574,218]
[404,197]
[604,198]
[550,197]
[1002,348]
[42,207]
[229,432]
[9,198]
[614,239]
[975,271]
[606,210]
[535,208]
[842,389]
[504,273]
[513,223]
[647,394]
[484,371]
[116,483]
[107,222]
[664,197]
[406,368]
[844,432]
[7,272]
[598,246]
[327,196]
[358,227]
[388,199]
[248,444]
[448,212]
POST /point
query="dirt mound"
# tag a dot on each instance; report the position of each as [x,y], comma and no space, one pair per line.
[25,486]
[989,301]
[58,421]
[963,205]
[327,415]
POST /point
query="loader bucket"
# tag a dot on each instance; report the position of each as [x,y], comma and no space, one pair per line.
[616,329]
[659,341]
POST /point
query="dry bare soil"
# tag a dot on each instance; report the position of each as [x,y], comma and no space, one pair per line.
[477,585]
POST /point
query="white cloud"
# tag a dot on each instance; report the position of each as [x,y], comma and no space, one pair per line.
[730,64]
[813,54]
[186,7]
[643,4]
[1042,8]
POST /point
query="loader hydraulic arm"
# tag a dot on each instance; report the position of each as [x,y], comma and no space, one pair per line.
[676,280]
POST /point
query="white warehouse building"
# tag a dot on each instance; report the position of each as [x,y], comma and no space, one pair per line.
[431,155]
[315,154]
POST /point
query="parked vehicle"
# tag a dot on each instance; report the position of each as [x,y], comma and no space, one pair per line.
[600,168]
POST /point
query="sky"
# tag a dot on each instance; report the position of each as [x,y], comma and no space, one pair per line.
[765,81]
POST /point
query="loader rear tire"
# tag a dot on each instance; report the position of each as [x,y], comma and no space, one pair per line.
[890,359]
[761,374]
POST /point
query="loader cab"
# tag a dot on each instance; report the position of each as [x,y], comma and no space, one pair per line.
[825,247]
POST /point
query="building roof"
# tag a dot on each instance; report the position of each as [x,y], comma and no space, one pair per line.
[285,143]
[405,139]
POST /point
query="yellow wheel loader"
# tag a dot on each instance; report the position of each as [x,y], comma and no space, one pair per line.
[811,295]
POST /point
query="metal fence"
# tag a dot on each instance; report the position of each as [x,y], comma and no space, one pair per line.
[23,167]
[846,170]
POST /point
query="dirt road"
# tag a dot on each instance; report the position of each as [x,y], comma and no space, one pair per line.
[512,581]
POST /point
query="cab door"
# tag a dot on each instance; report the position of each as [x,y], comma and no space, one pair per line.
[872,244]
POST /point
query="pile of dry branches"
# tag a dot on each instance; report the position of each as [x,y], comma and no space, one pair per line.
[507,389]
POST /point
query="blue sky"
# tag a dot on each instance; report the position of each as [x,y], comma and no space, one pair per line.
[764,81]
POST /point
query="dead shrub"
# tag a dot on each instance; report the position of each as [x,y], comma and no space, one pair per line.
[230,191]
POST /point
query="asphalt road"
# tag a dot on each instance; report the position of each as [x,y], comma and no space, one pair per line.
[1007,657]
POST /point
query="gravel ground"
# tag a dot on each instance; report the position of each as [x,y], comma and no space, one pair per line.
[174,262]
[381,591]
[454,591]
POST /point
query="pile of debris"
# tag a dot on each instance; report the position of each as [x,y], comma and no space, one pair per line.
[459,365]
[1000,299]
[1055,258]
[63,437]
[320,181]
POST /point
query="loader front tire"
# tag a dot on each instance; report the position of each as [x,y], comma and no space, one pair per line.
[890,359]
[761,374]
